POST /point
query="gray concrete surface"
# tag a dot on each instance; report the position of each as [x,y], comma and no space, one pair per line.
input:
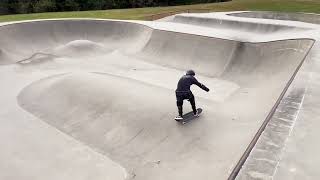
[300,156]
[299,17]
[243,24]
[288,146]
[94,99]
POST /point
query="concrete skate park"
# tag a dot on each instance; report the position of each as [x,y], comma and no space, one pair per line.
[94,99]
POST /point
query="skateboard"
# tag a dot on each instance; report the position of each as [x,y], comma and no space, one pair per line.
[189,117]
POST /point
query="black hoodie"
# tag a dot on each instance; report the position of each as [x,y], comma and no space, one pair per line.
[186,81]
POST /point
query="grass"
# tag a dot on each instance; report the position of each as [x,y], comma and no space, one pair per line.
[310,6]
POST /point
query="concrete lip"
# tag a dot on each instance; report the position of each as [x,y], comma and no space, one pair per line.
[100,93]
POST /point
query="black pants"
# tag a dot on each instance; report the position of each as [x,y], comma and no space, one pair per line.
[182,96]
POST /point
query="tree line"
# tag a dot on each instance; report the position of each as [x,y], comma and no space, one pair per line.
[38,6]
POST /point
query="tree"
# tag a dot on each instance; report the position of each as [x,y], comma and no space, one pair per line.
[163,2]
[60,5]
[71,5]
[121,3]
[26,6]
[109,4]
[13,6]
[96,4]
[4,5]
[45,6]
[31,6]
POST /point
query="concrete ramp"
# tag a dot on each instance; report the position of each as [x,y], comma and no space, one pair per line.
[109,85]
[228,22]
[303,17]
[215,57]
[23,40]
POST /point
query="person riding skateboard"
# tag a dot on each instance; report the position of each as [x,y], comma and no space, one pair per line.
[183,92]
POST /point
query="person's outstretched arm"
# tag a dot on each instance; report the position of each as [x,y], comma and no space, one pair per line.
[202,86]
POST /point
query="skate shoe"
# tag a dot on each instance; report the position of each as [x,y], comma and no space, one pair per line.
[178,118]
[196,114]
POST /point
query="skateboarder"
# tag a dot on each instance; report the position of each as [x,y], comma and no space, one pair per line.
[183,92]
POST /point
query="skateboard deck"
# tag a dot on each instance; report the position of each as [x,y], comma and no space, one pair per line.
[189,117]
